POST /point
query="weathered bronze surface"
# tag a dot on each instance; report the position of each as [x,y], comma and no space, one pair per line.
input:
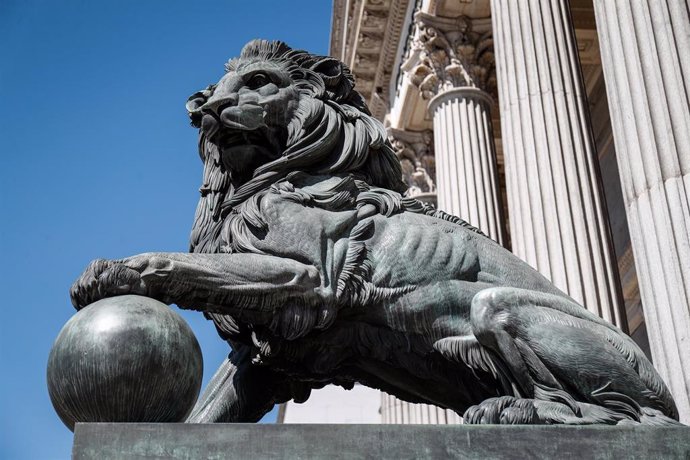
[125,359]
[317,270]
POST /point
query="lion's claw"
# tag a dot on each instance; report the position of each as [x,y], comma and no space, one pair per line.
[504,410]
[105,278]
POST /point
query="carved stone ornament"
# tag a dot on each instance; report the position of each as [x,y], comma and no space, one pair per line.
[416,154]
[375,20]
[317,270]
[450,53]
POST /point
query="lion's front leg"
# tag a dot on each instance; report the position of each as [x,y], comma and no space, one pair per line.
[208,282]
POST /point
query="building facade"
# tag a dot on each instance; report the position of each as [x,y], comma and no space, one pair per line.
[562,130]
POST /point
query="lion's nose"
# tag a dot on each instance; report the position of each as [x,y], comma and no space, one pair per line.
[215,105]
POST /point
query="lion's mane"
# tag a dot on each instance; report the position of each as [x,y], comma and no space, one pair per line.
[331,132]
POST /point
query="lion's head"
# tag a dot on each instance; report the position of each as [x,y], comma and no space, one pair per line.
[275,111]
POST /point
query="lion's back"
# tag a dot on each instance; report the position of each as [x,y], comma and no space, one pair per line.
[410,248]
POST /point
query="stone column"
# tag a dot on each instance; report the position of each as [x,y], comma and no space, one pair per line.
[395,411]
[455,73]
[558,217]
[645,47]
[466,159]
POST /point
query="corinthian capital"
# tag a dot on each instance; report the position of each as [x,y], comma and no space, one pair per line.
[449,53]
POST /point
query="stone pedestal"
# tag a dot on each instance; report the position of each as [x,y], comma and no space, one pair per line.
[645,47]
[466,173]
[106,441]
[558,217]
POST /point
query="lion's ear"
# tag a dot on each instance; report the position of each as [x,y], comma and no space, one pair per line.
[335,76]
[195,102]
[330,70]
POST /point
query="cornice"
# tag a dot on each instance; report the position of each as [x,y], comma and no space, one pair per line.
[366,35]
[338,21]
[379,101]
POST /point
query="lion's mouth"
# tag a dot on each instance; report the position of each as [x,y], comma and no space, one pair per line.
[242,146]
[228,139]
[243,151]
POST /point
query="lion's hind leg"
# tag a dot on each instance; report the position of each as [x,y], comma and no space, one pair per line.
[508,410]
[565,365]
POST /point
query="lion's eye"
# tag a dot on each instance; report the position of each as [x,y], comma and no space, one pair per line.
[258,80]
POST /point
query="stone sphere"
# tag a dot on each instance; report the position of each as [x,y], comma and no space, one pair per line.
[125,359]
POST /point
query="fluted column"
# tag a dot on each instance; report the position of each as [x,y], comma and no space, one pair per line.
[395,411]
[455,74]
[467,179]
[558,217]
[645,47]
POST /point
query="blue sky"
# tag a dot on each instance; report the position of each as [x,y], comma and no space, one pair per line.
[99,160]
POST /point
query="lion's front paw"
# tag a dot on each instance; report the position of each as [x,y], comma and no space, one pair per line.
[504,410]
[105,278]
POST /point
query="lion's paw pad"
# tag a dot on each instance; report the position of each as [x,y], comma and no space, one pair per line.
[504,410]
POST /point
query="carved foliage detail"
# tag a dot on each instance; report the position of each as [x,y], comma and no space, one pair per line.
[416,154]
[450,54]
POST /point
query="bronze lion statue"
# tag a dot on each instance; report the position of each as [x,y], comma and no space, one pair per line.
[317,269]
